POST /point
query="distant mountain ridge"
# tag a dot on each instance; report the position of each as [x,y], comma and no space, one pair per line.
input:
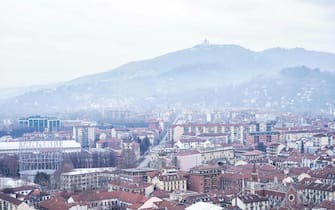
[202,69]
[224,56]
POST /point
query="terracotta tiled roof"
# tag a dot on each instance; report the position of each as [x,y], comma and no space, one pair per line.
[264,171]
[127,197]
[56,203]
[9,199]
[168,205]
[161,193]
[132,197]
[325,173]
[251,198]
[271,193]
[22,188]
[236,176]
[152,173]
[95,195]
[320,187]
[327,205]
[135,206]
[298,171]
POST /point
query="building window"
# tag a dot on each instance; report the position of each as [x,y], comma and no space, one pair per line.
[256,139]
[291,197]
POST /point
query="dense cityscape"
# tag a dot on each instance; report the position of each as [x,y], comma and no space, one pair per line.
[229,158]
[167,105]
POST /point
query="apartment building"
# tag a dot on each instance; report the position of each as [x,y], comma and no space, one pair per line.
[233,132]
[203,179]
[85,135]
[169,180]
[82,179]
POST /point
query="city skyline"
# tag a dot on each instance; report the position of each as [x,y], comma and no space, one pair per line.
[178,105]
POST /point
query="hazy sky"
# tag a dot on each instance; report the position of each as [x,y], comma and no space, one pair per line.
[43,41]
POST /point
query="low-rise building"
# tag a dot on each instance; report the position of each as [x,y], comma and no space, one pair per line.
[135,175]
[59,203]
[325,175]
[251,201]
[142,188]
[203,206]
[169,180]
[9,203]
[325,205]
[120,200]
[315,193]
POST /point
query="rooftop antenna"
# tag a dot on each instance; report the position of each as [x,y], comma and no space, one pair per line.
[205,42]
